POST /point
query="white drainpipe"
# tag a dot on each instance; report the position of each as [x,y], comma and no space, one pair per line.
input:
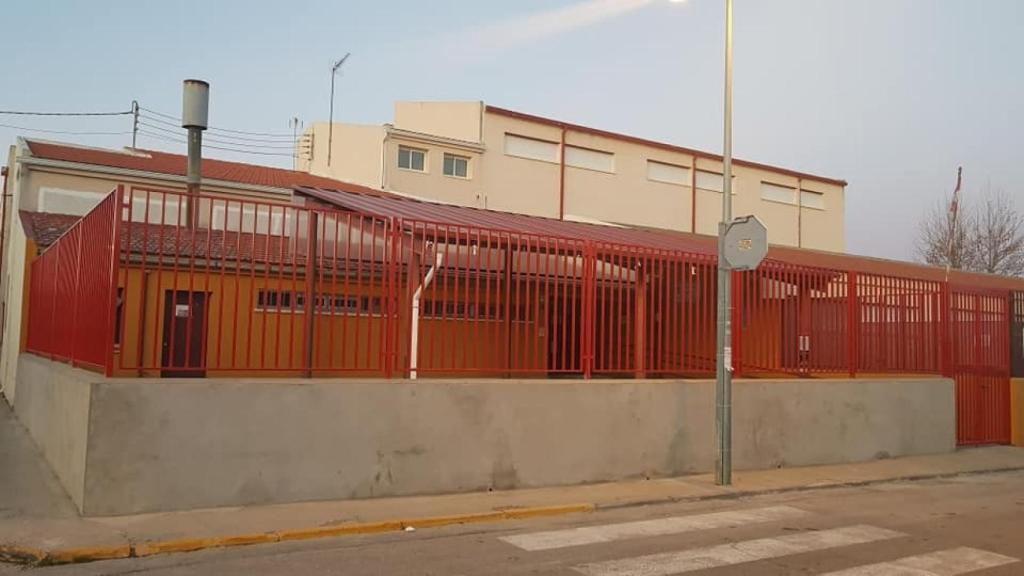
[414,336]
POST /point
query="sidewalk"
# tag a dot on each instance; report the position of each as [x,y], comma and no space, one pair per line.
[36,525]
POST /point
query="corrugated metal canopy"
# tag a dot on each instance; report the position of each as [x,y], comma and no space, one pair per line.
[384,204]
[393,206]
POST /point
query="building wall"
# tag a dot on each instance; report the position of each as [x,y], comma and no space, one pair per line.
[432,183]
[625,191]
[243,341]
[456,120]
[356,155]
[171,444]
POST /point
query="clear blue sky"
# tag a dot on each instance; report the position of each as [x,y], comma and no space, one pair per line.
[889,94]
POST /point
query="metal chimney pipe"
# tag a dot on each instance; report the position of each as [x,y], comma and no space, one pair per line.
[195,111]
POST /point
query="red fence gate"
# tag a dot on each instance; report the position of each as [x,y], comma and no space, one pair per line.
[979,347]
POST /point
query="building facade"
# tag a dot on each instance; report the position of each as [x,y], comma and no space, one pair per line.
[49,186]
[472,154]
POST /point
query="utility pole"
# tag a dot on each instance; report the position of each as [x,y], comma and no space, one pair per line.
[330,125]
[195,110]
[135,121]
[294,123]
[723,370]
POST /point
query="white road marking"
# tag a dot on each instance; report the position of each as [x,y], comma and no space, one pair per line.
[737,552]
[675,525]
[943,563]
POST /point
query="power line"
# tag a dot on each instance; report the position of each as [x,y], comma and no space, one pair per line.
[214,129]
[240,151]
[68,132]
[241,139]
[23,113]
[283,146]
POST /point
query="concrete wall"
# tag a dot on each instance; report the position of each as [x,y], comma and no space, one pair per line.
[53,404]
[177,444]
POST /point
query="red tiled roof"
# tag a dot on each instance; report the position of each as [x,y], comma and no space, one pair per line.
[45,228]
[218,246]
[166,163]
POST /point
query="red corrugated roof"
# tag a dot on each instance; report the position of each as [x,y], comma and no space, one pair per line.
[393,206]
[379,203]
[165,163]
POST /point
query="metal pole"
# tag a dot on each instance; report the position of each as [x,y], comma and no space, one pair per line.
[135,121]
[723,371]
[330,121]
[192,176]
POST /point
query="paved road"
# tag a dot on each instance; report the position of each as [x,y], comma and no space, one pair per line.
[966,525]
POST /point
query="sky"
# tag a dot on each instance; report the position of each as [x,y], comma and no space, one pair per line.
[890,95]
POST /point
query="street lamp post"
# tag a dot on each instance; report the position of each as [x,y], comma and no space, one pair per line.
[723,369]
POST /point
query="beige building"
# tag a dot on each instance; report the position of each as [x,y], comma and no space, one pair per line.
[471,154]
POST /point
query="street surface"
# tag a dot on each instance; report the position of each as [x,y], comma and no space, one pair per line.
[965,525]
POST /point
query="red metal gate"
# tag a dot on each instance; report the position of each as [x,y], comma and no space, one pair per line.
[979,348]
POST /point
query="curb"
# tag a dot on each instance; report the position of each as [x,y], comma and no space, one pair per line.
[40,557]
[735,495]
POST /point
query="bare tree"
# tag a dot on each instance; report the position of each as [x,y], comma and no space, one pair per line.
[988,237]
[944,238]
[997,233]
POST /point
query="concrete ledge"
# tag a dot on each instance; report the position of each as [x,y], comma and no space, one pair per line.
[151,445]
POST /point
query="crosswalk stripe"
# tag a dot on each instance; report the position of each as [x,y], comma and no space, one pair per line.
[675,525]
[737,552]
[943,563]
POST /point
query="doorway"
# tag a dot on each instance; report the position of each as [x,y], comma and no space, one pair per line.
[184,335]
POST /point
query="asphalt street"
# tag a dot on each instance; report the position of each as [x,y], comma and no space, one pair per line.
[963,525]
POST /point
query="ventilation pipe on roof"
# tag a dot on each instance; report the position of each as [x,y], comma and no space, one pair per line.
[195,109]
[414,332]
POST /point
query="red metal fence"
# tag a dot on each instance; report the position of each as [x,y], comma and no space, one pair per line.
[71,300]
[236,286]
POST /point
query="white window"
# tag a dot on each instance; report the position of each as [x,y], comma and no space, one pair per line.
[778,193]
[712,181]
[668,173]
[412,159]
[812,199]
[589,159]
[457,166]
[531,148]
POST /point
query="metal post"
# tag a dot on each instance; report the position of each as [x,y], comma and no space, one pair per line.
[723,371]
[330,121]
[194,114]
[135,121]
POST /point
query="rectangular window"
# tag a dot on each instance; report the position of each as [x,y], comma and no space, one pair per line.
[812,199]
[589,159]
[531,148]
[778,193]
[668,173]
[412,159]
[456,166]
[712,181]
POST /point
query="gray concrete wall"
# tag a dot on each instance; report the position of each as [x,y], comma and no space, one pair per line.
[177,444]
[123,446]
[53,404]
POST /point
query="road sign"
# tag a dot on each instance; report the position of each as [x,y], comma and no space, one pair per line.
[746,243]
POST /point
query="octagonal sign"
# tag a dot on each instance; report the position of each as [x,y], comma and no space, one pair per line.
[746,243]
